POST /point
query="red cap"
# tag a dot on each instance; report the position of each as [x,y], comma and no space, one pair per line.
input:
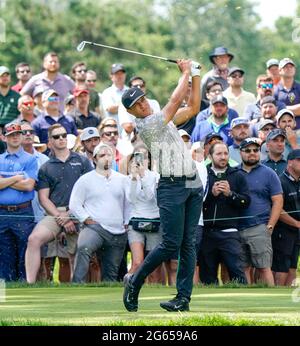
[77,92]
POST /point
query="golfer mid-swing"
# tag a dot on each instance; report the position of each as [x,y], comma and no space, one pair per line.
[179,192]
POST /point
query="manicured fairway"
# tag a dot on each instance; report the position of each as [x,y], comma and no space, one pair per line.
[103,306]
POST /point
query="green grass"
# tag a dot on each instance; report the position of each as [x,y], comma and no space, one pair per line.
[102,305]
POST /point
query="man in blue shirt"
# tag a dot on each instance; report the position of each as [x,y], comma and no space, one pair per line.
[258,220]
[52,116]
[288,90]
[18,174]
[218,122]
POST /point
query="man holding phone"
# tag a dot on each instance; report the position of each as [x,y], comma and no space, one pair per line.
[179,193]
[227,194]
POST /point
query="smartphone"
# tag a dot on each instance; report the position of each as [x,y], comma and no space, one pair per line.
[139,158]
[221,176]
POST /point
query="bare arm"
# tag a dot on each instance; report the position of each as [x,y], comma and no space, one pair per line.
[289,220]
[186,113]
[277,204]
[24,185]
[295,109]
[179,93]
[8,182]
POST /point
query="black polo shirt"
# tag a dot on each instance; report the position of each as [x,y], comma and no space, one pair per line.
[277,166]
[60,177]
[82,121]
[284,235]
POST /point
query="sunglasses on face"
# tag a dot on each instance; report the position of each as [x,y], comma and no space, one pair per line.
[60,135]
[138,85]
[27,132]
[29,103]
[110,133]
[53,99]
[266,85]
[248,150]
[236,76]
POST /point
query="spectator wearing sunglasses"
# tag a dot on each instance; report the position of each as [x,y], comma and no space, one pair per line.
[52,116]
[259,219]
[26,108]
[238,98]
[56,179]
[95,97]
[264,87]
[288,89]
[18,175]
[23,72]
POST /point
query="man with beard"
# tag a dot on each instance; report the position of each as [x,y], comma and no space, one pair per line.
[228,193]
[100,200]
[50,78]
[268,111]
[239,130]
[264,87]
[90,138]
[218,122]
[258,220]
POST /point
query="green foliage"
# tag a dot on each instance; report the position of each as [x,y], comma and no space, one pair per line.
[168,28]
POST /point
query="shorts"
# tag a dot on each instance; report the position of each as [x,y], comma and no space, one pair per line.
[50,223]
[150,240]
[282,263]
[256,247]
[55,249]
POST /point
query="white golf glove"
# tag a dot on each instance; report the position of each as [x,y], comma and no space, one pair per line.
[195,69]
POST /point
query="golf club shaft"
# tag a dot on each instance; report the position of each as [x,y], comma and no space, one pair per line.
[80,47]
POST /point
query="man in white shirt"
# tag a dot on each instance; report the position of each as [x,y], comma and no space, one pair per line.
[100,200]
[111,97]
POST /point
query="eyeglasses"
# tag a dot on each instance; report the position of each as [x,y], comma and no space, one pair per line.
[28,103]
[24,71]
[91,80]
[81,71]
[110,133]
[236,75]
[266,85]
[53,99]
[60,135]
[266,129]
[248,150]
[27,132]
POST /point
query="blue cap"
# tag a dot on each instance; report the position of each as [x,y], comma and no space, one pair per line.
[274,134]
[238,121]
[294,154]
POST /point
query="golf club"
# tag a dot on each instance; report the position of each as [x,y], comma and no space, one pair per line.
[82,44]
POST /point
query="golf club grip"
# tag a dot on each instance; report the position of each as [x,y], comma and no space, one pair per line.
[172,60]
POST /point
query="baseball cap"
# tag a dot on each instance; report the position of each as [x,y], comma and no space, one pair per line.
[284,111]
[219,99]
[48,93]
[99,147]
[286,61]
[265,122]
[212,135]
[183,133]
[68,99]
[235,69]
[116,68]
[268,99]
[272,62]
[12,128]
[89,132]
[294,154]
[275,133]
[78,91]
[238,121]
[3,69]
[248,141]
[37,144]
[38,90]
[131,96]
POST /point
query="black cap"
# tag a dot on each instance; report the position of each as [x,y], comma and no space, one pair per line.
[132,95]
[212,135]
[294,154]
[274,134]
[248,141]
[268,99]
[117,67]
[235,69]
[220,51]
[219,99]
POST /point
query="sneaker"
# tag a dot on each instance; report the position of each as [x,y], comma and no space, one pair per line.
[130,295]
[176,304]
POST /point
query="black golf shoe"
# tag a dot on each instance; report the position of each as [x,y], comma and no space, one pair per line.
[130,295]
[176,304]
